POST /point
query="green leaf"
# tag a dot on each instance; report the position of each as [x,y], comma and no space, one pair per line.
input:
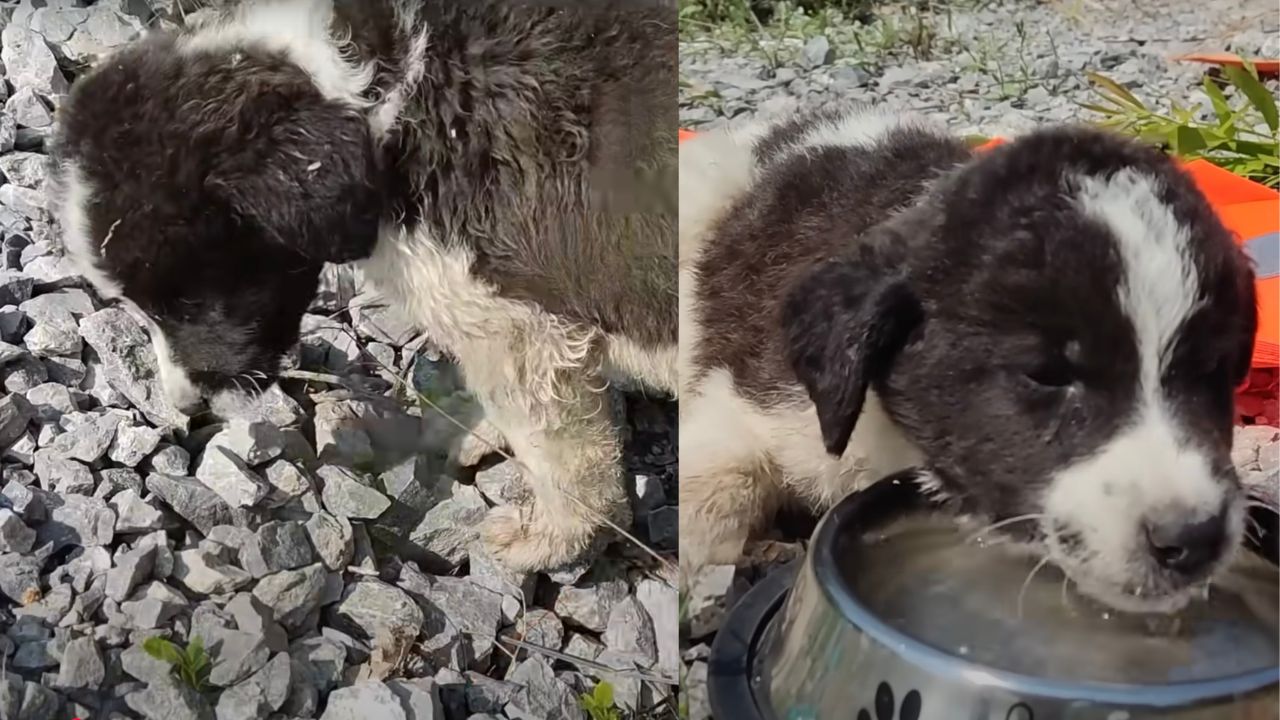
[197,658]
[1188,140]
[604,694]
[1257,93]
[1219,101]
[161,649]
[1116,91]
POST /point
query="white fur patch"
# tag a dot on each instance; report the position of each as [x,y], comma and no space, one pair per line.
[861,127]
[300,29]
[173,378]
[627,360]
[83,249]
[1148,467]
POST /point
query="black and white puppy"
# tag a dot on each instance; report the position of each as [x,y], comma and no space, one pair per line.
[1054,328]
[496,166]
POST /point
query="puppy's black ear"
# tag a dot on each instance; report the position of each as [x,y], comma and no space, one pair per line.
[1246,290]
[843,324]
[308,176]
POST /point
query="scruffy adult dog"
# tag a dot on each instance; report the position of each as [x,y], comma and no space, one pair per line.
[492,163]
[1053,329]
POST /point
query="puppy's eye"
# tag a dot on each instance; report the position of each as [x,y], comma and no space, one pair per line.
[1053,373]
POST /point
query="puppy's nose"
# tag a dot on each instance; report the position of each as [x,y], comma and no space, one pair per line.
[1185,546]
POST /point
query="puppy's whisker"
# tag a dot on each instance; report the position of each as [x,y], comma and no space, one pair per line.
[982,532]
[1027,583]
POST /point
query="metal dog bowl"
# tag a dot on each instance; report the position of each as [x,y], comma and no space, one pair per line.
[869,626]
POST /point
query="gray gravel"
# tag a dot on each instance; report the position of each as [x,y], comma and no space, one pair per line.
[999,68]
[325,551]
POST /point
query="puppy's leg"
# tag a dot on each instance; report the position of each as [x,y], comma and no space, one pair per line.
[541,390]
[719,510]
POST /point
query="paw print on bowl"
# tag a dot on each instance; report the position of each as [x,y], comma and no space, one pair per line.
[885,707]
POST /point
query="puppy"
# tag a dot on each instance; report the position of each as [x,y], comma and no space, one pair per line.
[493,165]
[1053,329]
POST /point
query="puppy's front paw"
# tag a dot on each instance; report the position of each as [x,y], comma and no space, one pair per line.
[483,440]
[522,538]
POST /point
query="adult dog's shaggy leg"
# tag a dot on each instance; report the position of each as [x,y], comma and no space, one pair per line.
[555,416]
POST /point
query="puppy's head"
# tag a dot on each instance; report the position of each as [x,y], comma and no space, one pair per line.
[1060,326]
[207,183]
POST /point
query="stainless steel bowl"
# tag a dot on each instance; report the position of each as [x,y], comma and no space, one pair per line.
[803,646]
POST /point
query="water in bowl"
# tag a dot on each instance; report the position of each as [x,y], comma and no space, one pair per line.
[930,580]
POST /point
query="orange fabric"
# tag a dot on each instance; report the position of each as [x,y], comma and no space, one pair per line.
[1248,209]
[1264,66]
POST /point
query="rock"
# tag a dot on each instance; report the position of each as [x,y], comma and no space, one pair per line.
[135,515]
[487,572]
[332,538]
[82,667]
[449,528]
[51,608]
[487,695]
[15,289]
[253,442]
[8,131]
[15,536]
[379,613]
[503,484]
[590,606]
[817,52]
[347,497]
[708,597]
[88,439]
[261,694]
[29,63]
[204,573]
[237,655]
[541,694]
[664,527]
[377,320]
[661,603]
[54,335]
[131,568]
[419,698]
[227,475]
[194,502]
[367,700]
[61,475]
[337,288]
[77,520]
[630,633]
[318,662]
[130,364]
[15,413]
[133,443]
[155,606]
[541,627]
[25,169]
[23,500]
[29,203]
[286,481]
[453,605]
[171,460]
[328,344]
[139,664]
[251,615]
[24,374]
[19,577]
[293,594]
[50,401]
[339,437]
[169,700]
[277,546]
